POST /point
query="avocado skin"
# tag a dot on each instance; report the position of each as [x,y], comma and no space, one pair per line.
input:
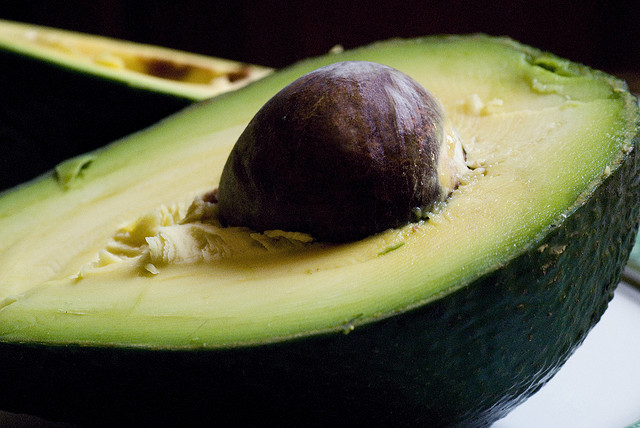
[464,360]
[65,114]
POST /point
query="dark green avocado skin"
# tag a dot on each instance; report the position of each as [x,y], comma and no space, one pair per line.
[58,113]
[464,360]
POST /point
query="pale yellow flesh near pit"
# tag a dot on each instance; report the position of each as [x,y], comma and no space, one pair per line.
[145,66]
[540,141]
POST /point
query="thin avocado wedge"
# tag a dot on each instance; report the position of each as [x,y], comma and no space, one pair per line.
[122,301]
[65,93]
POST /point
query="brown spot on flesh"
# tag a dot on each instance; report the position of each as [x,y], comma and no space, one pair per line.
[166,69]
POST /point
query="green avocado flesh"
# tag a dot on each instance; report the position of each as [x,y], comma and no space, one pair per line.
[84,91]
[450,320]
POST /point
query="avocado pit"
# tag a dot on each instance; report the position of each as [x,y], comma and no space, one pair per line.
[344,152]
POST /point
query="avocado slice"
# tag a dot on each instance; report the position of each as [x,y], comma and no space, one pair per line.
[121,298]
[83,91]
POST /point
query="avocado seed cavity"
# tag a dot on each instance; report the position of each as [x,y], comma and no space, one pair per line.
[344,152]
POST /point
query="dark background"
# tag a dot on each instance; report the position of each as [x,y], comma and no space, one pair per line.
[602,34]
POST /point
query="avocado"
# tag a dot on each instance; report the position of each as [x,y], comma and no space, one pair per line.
[82,91]
[124,299]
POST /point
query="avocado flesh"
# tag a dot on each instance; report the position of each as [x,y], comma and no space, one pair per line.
[529,175]
[546,144]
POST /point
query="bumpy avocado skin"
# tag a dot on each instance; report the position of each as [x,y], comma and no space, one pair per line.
[61,113]
[463,360]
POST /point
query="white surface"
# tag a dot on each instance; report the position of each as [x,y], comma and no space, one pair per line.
[599,386]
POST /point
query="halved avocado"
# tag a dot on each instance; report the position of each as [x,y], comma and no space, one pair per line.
[65,93]
[122,300]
